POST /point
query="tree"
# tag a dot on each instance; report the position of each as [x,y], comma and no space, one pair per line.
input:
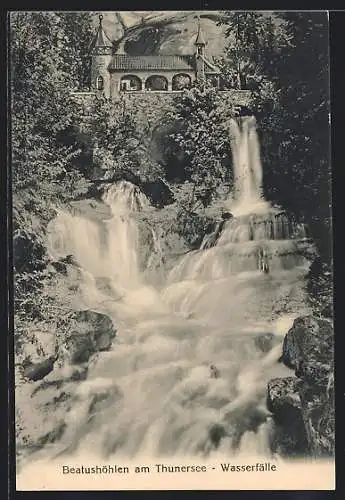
[299,159]
[41,103]
[79,33]
[122,131]
[199,119]
[43,167]
[253,40]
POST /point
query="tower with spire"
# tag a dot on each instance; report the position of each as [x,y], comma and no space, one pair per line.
[101,54]
[200,54]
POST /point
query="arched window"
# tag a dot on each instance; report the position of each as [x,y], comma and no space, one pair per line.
[181,81]
[100,82]
[156,82]
[130,83]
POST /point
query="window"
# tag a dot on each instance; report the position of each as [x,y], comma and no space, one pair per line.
[131,83]
[156,82]
[100,83]
[181,81]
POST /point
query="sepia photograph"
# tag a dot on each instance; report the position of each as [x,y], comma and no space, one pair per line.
[172,249]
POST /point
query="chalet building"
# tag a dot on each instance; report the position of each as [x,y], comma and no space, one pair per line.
[113,73]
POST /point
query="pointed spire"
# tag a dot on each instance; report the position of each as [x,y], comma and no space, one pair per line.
[200,40]
[101,41]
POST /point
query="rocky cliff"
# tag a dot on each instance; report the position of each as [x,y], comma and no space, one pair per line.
[303,406]
[150,33]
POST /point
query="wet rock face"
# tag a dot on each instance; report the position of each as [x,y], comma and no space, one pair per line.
[43,409]
[42,406]
[37,371]
[283,399]
[284,402]
[92,332]
[308,350]
[266,341]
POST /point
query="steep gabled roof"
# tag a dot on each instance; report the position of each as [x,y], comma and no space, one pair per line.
[159,63]
[101,39]
[200,39]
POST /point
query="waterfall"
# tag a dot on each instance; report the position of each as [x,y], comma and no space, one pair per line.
[106,250]
[173,339]
[108,253]
[247,166]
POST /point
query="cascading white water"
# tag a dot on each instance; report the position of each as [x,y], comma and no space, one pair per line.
[110,249]
[161,394]
[247,166]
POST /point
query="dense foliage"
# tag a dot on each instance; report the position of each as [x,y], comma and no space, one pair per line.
[253,42]
[200,132]
[121,131]
[43,165]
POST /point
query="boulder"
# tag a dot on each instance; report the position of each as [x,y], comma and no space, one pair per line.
[318,412]
[92,332]
[308,349]
[283,400]
[35,353]
[265,342]
[37,371]
[62,375]
[227,215]
[61,266]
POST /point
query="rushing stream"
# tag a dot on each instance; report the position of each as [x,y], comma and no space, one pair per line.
[185,375]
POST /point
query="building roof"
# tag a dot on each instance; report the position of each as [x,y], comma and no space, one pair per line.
[200,40]
[135,63]
[101,39]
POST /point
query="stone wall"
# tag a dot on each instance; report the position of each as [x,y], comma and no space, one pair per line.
[238,97]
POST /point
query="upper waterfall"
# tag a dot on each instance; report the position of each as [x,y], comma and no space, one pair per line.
[247,193]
